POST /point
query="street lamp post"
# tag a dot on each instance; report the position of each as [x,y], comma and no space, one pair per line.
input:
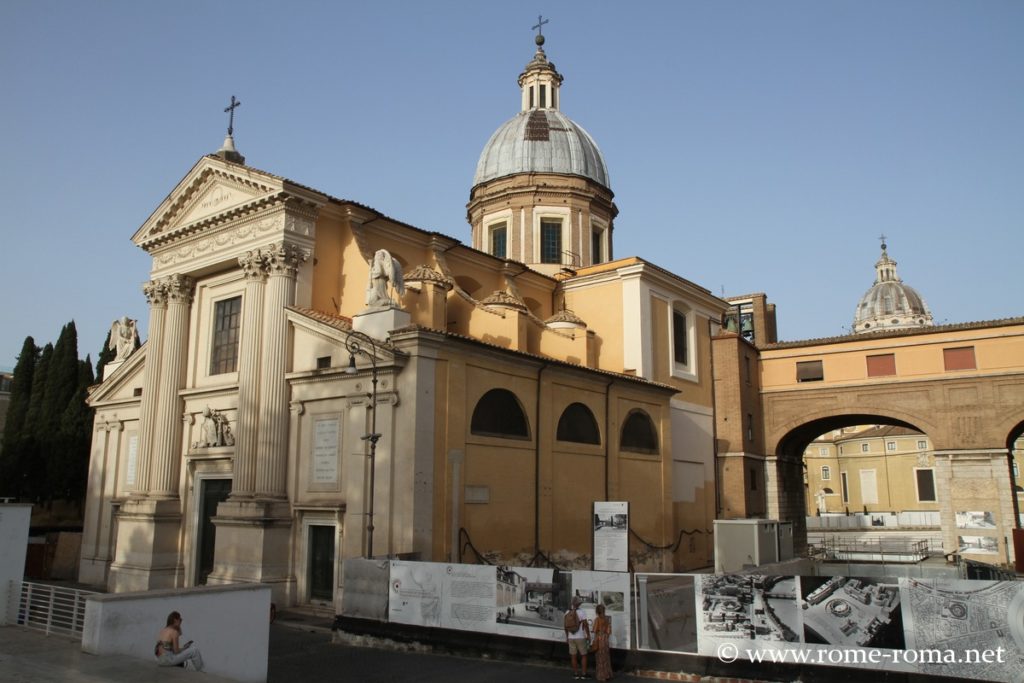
[354,344]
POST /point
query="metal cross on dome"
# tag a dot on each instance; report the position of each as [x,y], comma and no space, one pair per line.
[231,110]
[882,238]
[540,23]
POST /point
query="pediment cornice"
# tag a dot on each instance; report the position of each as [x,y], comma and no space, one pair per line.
[213,193]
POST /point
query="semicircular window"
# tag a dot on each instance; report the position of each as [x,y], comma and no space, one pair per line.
[498,413]
[578,425]
[638,433]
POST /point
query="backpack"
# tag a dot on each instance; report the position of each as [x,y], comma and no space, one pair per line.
[572,621]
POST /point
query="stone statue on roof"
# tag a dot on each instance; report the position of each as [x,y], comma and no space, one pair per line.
[385,275]
[124,337]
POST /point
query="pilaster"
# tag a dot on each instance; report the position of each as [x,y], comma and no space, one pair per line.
[976,480]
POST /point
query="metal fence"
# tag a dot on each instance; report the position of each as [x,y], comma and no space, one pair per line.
[51,609]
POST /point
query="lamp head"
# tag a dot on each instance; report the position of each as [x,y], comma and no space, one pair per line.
[351,369]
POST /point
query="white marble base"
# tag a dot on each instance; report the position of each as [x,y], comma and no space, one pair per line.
[379,322]
[109,369]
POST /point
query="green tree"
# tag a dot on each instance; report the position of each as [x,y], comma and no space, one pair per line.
[12,450]
[105,356]
[68,480]
[32,466]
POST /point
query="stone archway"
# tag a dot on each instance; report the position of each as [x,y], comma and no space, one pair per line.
[786,497]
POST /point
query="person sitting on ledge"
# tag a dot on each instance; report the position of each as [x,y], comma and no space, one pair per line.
[168,650]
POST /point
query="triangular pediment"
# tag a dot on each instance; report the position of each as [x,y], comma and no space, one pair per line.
[212,191]
[123,383]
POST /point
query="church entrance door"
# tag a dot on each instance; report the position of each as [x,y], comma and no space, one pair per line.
[212,492]
[321,563]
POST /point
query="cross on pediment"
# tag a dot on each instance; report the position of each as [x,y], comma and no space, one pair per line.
[231,110]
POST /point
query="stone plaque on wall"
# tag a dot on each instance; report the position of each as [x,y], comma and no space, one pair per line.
[131,472]
[326,436]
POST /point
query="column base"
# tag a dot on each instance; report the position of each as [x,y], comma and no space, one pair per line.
[254,546]
[147,556]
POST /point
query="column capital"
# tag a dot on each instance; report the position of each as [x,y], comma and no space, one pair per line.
[253,265]
[284,258]
[155,293]
[180,288]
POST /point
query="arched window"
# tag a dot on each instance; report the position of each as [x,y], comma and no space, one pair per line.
[578,425]
[498,413]
[638,433]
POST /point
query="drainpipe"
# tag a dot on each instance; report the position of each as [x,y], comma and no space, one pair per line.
[714,418]
[536,466]
[607,434]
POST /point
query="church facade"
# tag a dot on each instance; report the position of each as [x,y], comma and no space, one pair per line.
[320,381]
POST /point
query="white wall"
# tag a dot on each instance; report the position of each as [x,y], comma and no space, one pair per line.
[229,624]
[14,523]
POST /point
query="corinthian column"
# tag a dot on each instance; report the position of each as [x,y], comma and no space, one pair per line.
[167,446]
[244,466]
[271,456]
[157,298]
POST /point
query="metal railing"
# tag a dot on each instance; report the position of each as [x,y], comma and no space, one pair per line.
[51,609]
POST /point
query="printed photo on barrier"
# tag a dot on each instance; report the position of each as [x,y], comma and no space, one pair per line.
[609,589]
[749,607]
[531,602]
[976,519]
[858,612]
[978,545]
[667,618]
[966,615]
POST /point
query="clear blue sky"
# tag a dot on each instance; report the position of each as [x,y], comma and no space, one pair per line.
[752,146]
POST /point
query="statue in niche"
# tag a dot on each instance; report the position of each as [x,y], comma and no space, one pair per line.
[124,338]
[819,498]
[215,431]
[385,274]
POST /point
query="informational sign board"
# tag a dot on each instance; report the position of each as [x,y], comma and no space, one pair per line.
[611,536]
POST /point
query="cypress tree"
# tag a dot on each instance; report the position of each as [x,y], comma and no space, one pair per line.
[105,356]
[17,411]
[61,385]
[72,457]
[31,466]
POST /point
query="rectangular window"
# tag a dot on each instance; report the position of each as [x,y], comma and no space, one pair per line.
[1016,473]
[227,318]
[864,448]
[826,473]
[823,451]
[846,487]
[543,96]
[809,371]
[595,247]
[680,352]
[750,427]
[323,362]
[499,240]
[961,358]
[753,479]
[550,241]
[925,486]
[922,445]
[531,97]
[890,445]
[883,365]
[746,368]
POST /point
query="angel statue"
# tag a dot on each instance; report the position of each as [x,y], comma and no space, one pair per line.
[384,269]
[124,338]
